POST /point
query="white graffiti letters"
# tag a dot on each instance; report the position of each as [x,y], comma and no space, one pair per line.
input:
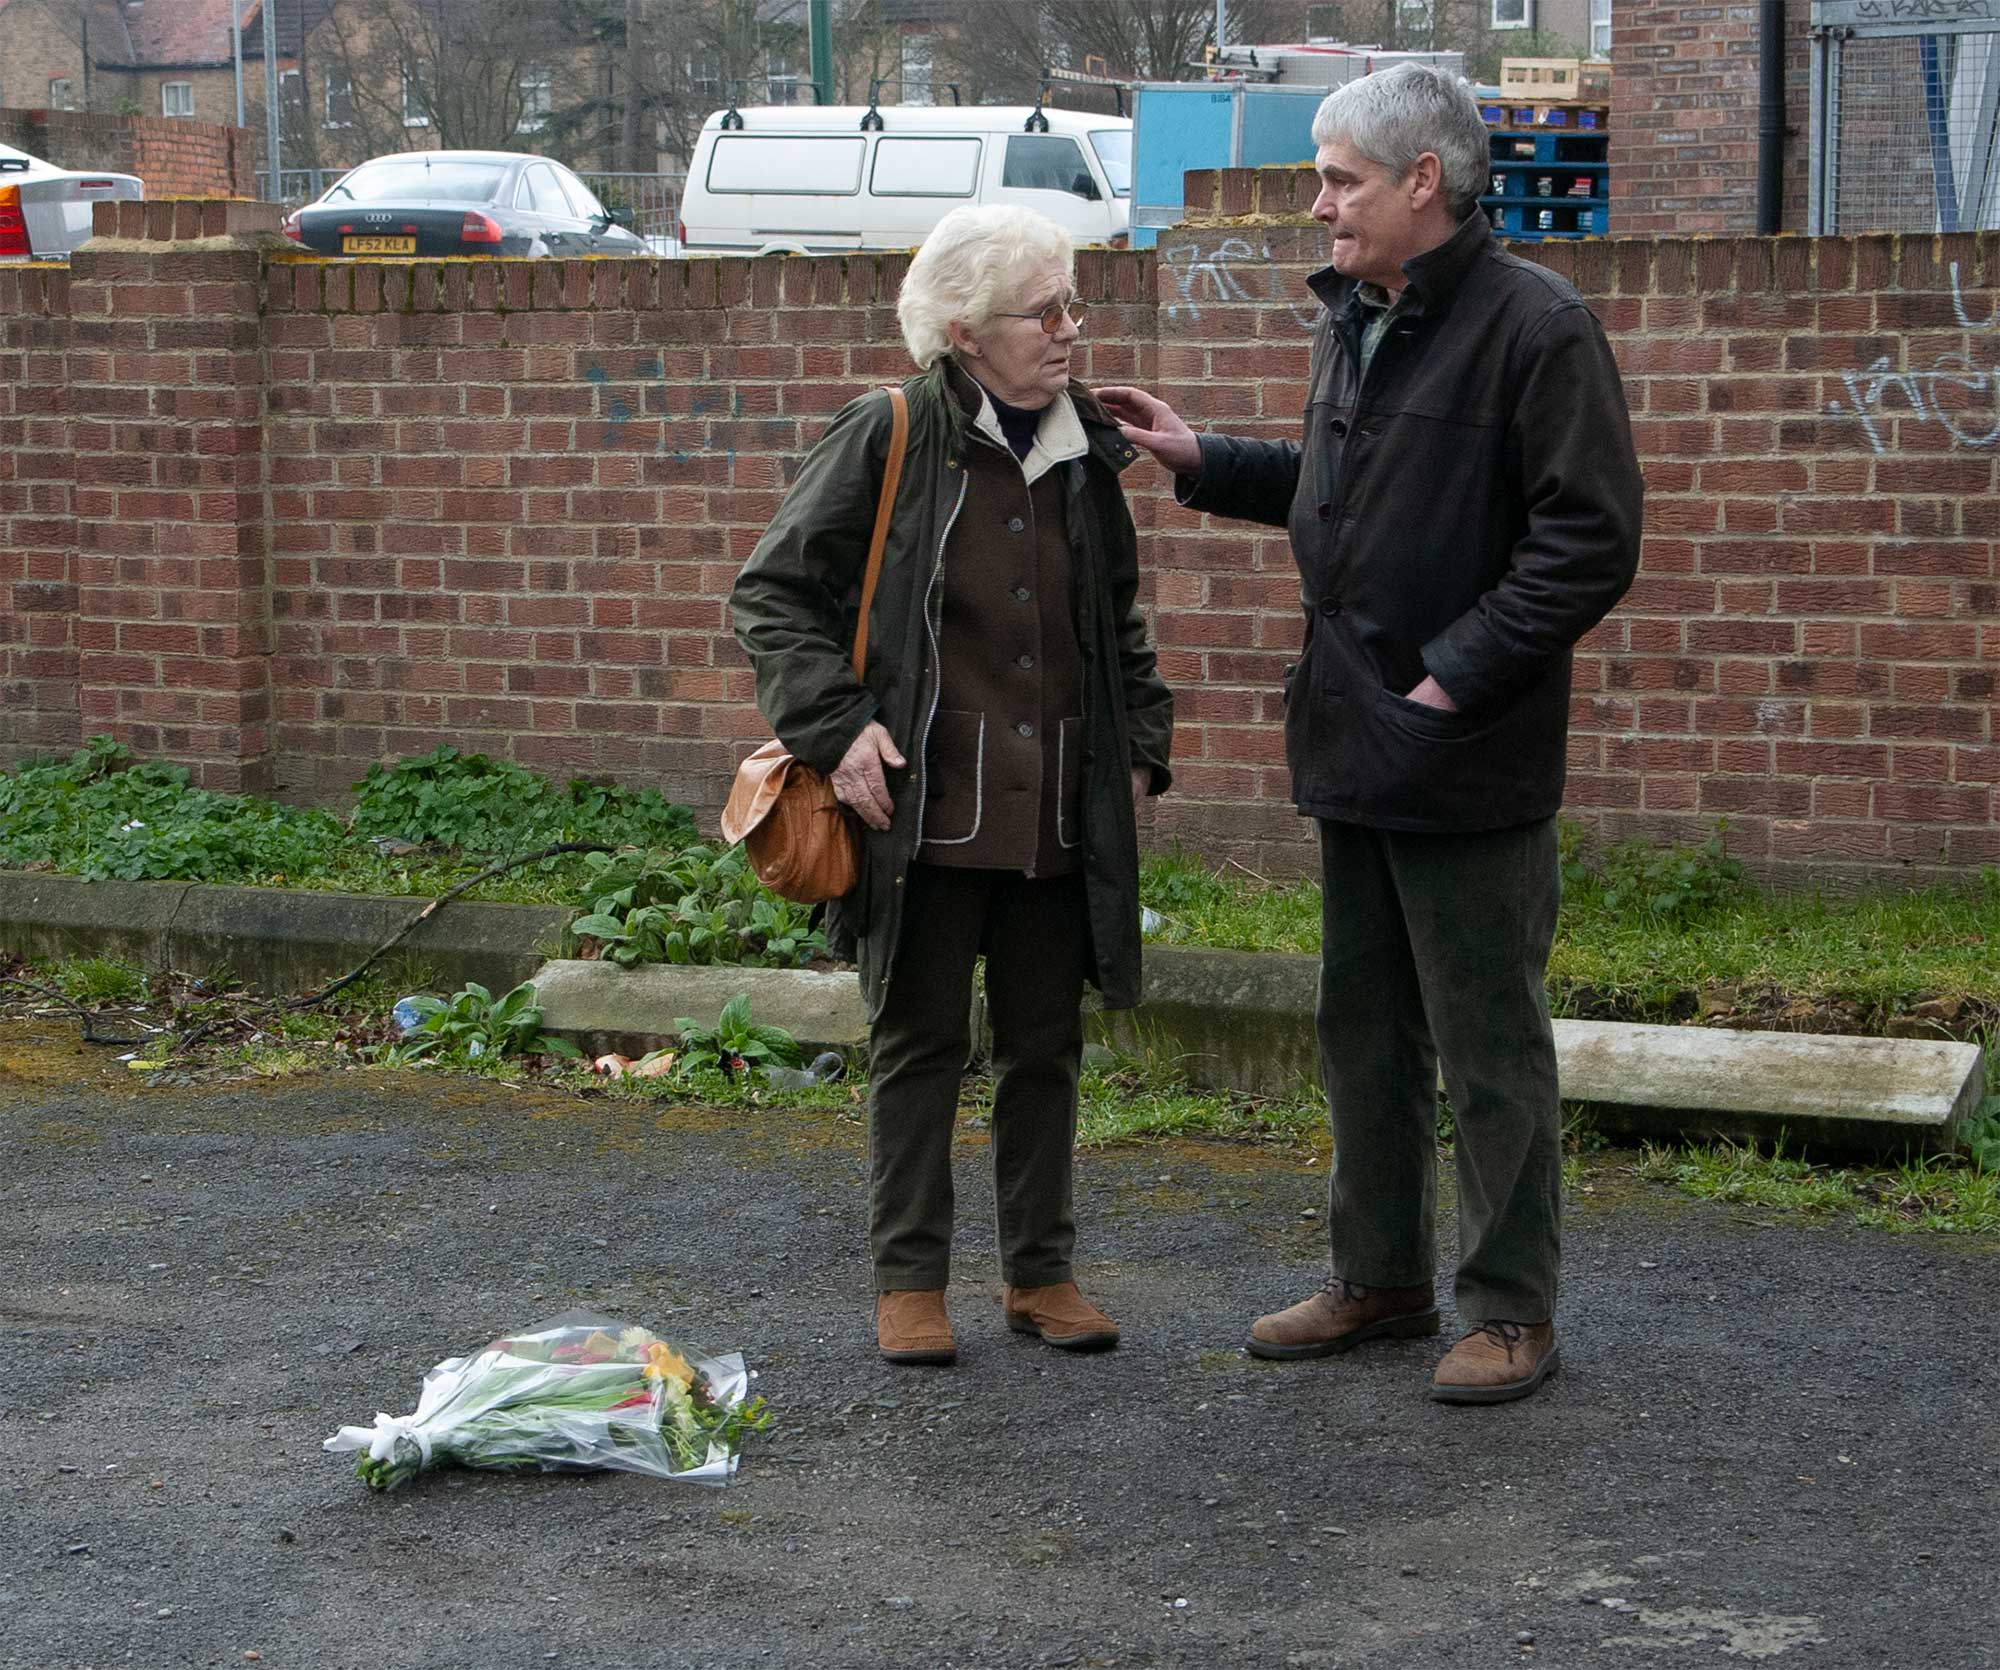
[1928,395]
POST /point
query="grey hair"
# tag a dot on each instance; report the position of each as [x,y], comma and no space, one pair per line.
[971,267]
[1393,117]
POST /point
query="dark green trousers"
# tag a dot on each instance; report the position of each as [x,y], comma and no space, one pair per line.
[1437,946]
[1032,933]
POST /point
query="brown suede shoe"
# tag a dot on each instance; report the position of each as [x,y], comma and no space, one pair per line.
[1061,1315]
[911,1327]
[1497,1362]
[1340,1316]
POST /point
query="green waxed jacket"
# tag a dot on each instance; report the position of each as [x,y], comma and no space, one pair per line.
[795,605]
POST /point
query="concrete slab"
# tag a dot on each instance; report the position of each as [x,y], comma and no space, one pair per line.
[1882,1094]
[603,1006]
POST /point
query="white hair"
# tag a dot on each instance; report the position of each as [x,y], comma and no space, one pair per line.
[1393,117]
[972,266]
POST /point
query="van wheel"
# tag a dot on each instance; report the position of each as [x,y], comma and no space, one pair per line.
[782,249]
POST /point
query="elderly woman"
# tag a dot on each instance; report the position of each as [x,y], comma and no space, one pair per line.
[1007,724]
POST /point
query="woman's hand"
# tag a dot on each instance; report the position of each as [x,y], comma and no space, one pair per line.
[1151,423]
[858,781]
[1142,780]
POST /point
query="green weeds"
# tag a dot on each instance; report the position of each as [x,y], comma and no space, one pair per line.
[1936,1195]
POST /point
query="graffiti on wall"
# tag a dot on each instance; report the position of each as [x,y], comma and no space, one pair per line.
[1234,272]
[1950,392]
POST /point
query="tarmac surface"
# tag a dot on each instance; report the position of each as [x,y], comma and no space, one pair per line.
[1772,1441]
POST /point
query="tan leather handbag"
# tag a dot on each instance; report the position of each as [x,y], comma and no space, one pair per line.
[804,845]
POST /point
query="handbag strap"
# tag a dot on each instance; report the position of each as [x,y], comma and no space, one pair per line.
[899,435]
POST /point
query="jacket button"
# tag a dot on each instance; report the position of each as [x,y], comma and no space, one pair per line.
[1025,662]
[1329,606]
[1025,728]
[1021,594]
[1015,524]
[1340,426]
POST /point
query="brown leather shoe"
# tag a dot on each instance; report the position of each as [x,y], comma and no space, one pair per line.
[911,1327]
[1497,1362]
[1340,1316]
[1061,1315]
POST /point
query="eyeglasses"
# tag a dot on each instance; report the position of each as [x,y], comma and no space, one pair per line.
[1053,315]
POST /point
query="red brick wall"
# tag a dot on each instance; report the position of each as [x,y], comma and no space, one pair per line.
[506,499]
[1683,147]
[175,158]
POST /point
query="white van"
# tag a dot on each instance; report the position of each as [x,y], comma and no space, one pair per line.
[827,178]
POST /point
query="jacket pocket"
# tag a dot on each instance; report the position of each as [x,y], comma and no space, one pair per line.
[1069,783]
[955,778]
[1435,723]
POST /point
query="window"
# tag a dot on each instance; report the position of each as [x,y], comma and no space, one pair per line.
[1513,14]
[62,94]
[177,98]
[581,197]
[416,107]
[540,194]
[1047,162]
[419,181]
[1600,28]
[1114,155]
[538,99]
[916,88]
[779,77]
[1415,22]
[338,110]
[807,164]
[925,168]
[705,78]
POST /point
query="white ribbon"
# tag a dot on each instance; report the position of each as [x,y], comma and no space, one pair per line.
[380,1439]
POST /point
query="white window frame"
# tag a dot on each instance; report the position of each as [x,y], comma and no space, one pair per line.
[921,87]
[704,70]
[62,93]
[326,104]
[1525,21]
[538,99]
[1600,28]
[181,106]
[413,82]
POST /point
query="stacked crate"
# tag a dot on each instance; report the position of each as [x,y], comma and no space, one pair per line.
[1551,174]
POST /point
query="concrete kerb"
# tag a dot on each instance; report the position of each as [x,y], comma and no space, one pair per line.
[1225,1019]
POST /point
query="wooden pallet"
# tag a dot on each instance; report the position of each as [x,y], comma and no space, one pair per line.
[1520,113]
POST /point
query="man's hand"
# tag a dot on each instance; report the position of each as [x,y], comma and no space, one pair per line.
[1431,694]
[1154,425]
[858,781]
[1142,780]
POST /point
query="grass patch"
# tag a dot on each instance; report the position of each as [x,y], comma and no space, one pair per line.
[1937,1195]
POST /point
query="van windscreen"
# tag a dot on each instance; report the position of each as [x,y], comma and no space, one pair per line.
[790,164]
[1114,152]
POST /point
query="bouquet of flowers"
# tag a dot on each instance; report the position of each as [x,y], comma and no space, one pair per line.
[574,1393]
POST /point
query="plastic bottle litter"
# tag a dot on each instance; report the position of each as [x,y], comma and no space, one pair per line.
[1150,922]
[825,1067]
[407,1016]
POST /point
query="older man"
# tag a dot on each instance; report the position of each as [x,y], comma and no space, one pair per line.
[1464,505]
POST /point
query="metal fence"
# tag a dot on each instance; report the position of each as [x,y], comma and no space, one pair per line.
[1905,116]
[654,200]
[296,185]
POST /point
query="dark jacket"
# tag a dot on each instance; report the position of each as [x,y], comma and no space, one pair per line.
[1469,512]
[794,608]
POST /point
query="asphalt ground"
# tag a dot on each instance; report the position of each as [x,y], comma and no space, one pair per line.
[1771,1441]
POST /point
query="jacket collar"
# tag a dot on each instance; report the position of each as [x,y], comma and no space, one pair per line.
[1431,278]
[1103,440]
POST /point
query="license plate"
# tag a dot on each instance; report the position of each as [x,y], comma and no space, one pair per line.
[378,246]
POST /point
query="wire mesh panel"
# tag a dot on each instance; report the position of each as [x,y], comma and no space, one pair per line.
[1906,109]
[653,199]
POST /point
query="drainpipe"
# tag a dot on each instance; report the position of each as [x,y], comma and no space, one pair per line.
[1770,117]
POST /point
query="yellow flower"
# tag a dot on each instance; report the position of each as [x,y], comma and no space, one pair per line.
[663,1362]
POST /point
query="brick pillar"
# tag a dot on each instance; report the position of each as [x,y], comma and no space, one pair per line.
[37,529]
[166,378]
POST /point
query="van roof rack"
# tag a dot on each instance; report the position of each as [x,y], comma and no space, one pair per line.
[871,118]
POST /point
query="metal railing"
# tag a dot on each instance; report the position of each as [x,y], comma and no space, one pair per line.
[296,185]
[654,200]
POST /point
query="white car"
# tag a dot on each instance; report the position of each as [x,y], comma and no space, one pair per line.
[45,210]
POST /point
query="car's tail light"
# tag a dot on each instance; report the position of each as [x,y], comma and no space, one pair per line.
[13,225]
[479,229]
[100,185]
[290,228]
[681,233]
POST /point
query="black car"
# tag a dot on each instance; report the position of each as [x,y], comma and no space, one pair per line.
[461,203]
